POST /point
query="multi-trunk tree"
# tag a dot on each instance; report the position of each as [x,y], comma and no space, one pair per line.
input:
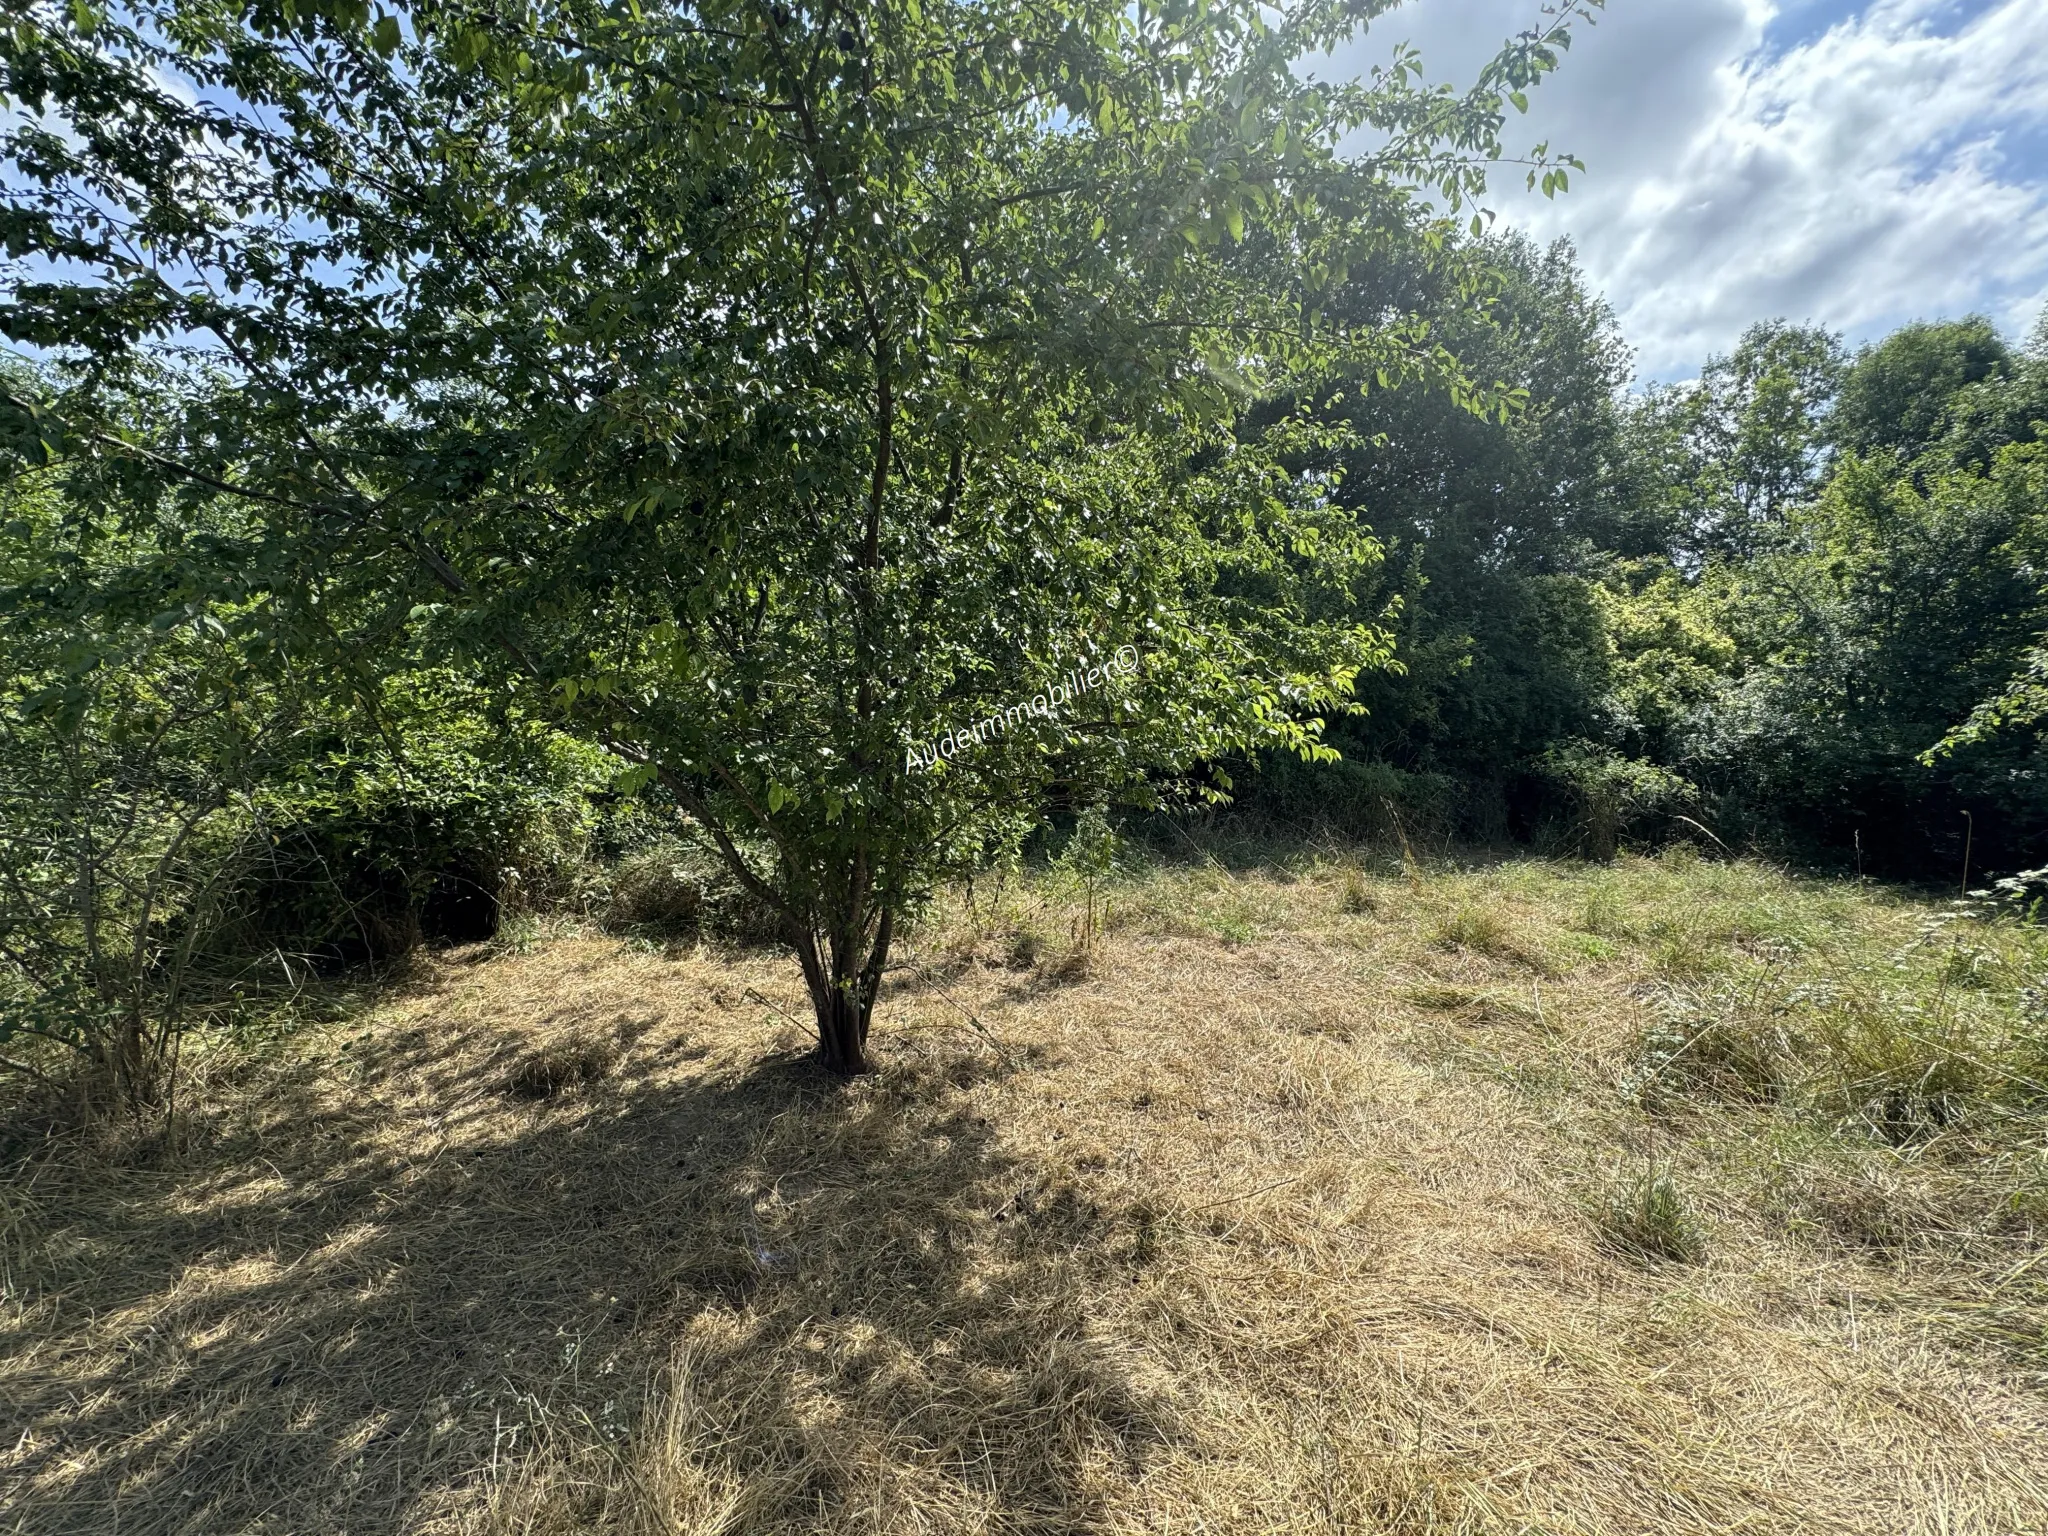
[764,387]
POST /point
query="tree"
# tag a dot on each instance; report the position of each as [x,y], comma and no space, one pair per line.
[1747,442]
[763,387]
[1491,523]
[189,822]
[1899,600]
[1898,392]
[129,752]
[2009,404]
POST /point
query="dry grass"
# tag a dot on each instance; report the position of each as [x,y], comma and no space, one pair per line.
[1277,1206]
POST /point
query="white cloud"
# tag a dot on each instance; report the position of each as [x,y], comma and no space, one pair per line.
[1886,167]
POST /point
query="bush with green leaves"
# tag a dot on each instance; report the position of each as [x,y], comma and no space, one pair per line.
[418,816]
[1609,794]
[132,743]
[1901,598]
[187,825]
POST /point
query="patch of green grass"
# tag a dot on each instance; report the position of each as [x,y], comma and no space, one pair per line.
[1602,912]
[1587,946]
[1356,899]
[1650,1220]
[1232,929]
[1480,929]
[1897,1053]
[1684,952]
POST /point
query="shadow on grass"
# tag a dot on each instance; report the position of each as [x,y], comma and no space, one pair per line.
[364,1310]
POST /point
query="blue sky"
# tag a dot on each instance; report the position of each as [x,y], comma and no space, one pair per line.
[1858,163]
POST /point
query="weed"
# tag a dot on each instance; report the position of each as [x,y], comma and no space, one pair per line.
[1588,946]
[1730,1045]
[1904,1068]
[1479,929]
[1357,899]
[653,890]
[1650,1220]
[1232,929]
[1970,965]
[1685,954]
[1602,912]
[1679,857]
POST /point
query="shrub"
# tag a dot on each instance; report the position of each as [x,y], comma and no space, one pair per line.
[1609,795]
[652,890]
[130,759]
[670,887]
[422,832]
[1354,798]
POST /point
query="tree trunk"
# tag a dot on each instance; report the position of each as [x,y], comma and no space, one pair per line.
[844,975]
[842,1033]
[134,1082]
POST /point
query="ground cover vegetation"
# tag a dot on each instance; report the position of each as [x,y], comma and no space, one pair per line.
[1524,1013]
[1234,1189]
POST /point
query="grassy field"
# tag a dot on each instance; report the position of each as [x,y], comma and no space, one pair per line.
[1311,1195]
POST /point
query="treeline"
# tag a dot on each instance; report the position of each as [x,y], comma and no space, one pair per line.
[1794,604]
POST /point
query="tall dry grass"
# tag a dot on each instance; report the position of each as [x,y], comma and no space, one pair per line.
[1280,1197]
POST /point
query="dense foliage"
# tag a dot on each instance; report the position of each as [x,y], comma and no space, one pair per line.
[192,822]
[753,391]
[1796,603]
